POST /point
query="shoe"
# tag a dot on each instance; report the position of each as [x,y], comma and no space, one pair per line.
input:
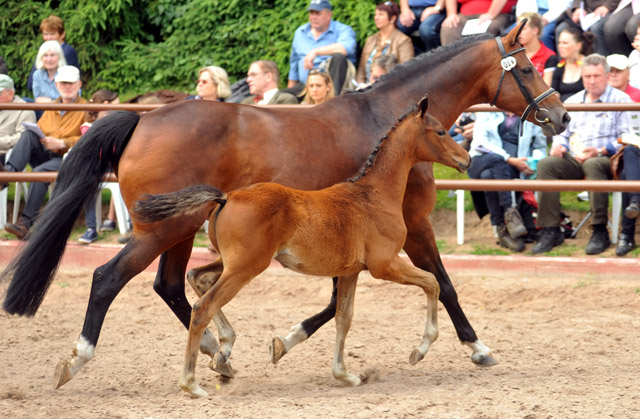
[625,244]
[125,238]
[514,223]
[633,210]
[549,238]
[505,240]
[583,196]
[108,225]
[20,229]
[89,236]
[599,241]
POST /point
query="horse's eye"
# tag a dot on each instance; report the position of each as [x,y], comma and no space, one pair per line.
[528,71]
[441,132]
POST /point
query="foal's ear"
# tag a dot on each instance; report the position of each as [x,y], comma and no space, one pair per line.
[512,36]
[423,105]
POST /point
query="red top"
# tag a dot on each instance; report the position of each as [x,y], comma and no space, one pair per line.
[478,7]
[541,59]
[633,93]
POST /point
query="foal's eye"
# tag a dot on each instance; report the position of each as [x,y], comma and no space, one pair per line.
[441,132]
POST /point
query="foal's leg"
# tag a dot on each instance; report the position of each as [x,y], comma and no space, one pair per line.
[404,273]
[201,280]
[344,314]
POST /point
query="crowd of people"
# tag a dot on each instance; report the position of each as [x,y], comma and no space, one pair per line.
[588,51]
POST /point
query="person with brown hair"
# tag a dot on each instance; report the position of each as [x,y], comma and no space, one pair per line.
[263,78]
[52,29]
[319,88]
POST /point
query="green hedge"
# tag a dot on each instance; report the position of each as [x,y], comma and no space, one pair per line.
[134,46]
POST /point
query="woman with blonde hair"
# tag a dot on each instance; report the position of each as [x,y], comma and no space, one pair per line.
[319,87]
[212,84]
[50,57]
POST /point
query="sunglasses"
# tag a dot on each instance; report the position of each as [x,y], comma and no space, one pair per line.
[317,71]
[202,81]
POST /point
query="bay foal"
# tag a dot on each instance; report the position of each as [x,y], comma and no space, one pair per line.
[338,231]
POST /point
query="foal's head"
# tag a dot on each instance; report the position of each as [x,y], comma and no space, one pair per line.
[432,140]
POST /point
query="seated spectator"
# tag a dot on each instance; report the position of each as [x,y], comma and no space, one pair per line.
[573,45]
[462,130]
[425,16]
[388,40]
[381,66]
[634,60]
[49,58]
[61,131]
[263,78]
[52,29]
[498,12]
[549,13]
[499,152]
[630,201]
[578,16]
[91,234]
[583,151]
[620,28]
[11,120]
[318,41]
[319,88]
[619,76]
[542,57]
[212,84]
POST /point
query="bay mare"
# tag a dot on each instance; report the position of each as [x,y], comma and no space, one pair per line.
[183,144]
[337,231]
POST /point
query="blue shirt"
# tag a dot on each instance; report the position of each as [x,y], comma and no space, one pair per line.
[42,86]
[303,42]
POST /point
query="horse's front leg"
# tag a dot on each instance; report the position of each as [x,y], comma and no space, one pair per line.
[201,280]
[302,331]
[108,280]
[344,314]
[421,248]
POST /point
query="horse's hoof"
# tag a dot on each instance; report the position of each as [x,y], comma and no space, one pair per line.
[276,349]
[484,360]
[415,357]
[350,379]
[195,391]
[222,367]
[62,375]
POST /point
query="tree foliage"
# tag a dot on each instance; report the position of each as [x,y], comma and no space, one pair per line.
[134,46]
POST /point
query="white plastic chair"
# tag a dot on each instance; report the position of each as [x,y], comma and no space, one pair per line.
[122,214]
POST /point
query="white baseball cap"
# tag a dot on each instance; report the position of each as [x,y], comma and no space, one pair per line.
[67,73]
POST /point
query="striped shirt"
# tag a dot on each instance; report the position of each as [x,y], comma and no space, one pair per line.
[598,128]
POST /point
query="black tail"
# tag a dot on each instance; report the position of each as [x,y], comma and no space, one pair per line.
[154,208]
[32,270]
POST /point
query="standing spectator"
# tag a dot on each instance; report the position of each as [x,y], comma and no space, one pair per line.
[573,45]
[263,78]
[426,16]
[388,40]
[212,84]
[498,12]
[620,28]
[52,29]
[319,88]
[499,152]
[577,16]
[317,41]
[542,57]
[583,151]
[619,76]
[61,131]
[49,59]
[11,120]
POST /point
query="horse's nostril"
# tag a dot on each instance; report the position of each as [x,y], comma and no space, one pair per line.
[566,118]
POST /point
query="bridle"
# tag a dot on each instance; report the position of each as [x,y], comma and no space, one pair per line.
[508,63]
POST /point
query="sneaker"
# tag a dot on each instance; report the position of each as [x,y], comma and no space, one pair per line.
[89,236]
[505,240]
[599,241]
[550,238]
[108,225]
[633,210]
[625,244]
[514,223]
[20,229]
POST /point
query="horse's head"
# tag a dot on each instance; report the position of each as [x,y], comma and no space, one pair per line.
[438,146]
[519,88]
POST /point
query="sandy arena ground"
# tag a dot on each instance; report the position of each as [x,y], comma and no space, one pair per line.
[566,346]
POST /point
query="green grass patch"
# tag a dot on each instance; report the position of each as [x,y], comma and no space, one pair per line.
[481,249]
[564,250]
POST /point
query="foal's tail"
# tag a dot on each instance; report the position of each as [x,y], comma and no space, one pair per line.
[32,270]
[154,208]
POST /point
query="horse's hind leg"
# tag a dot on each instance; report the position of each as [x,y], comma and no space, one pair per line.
[302,331]
[201,280]
[344,314]
[108,280]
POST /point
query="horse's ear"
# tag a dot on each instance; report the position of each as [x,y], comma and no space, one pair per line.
[512,36]
[423,105]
